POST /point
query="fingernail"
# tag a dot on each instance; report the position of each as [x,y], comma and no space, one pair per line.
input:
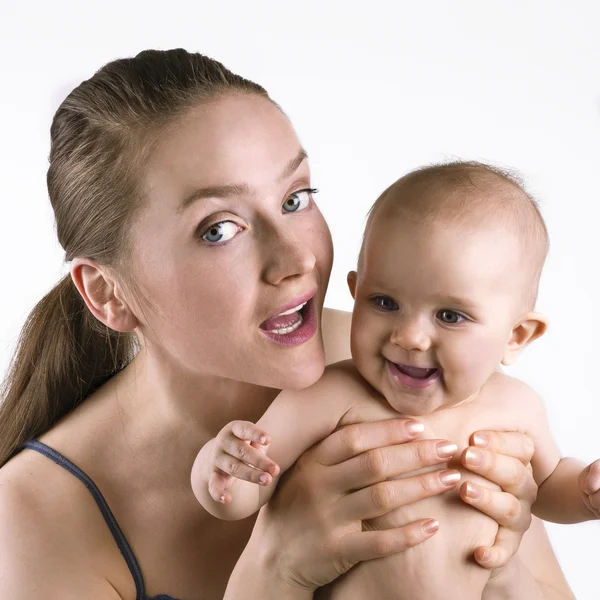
[474,456]
[263,439]
[449,477]
[414,427]
[472,491]
[222,499]
[263,479]
[445,450]
[485,555]
[481,440]
[430,526]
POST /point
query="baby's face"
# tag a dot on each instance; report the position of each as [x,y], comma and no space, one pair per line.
[435,306]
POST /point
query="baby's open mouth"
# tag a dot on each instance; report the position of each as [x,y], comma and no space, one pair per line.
[416,372]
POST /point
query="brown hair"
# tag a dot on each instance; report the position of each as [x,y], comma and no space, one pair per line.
[100,135]
[469,192]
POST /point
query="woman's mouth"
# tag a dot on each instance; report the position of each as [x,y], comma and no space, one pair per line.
[293,326]
[413,377]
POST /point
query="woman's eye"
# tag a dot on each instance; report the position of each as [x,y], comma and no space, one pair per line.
[450,317]
[221,232]
[385,303]
[298,200]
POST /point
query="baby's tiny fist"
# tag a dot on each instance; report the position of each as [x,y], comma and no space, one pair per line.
[589,484]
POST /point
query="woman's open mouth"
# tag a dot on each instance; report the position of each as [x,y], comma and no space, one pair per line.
[413,377]
[292,326]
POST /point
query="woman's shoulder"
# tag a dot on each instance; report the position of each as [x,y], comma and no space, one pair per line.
[336,334]
[52,538]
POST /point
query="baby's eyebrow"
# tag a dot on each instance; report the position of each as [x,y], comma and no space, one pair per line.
[239,189]
[458,301]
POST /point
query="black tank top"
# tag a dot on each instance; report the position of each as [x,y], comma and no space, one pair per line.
[124,546]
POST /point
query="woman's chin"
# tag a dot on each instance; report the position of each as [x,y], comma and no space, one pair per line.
[298,376]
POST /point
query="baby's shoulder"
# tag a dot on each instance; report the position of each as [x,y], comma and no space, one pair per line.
[512,393]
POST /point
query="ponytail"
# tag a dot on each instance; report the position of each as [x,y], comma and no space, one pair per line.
[101,137]
[63,355]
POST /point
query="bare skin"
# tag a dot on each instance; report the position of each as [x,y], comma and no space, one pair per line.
[138,435]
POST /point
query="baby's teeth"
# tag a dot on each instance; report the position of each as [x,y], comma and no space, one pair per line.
[292,310]
[289,329]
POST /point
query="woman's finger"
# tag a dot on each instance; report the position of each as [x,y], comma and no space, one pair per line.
[380,464]
[361,437]
[505,471]
[367,545]
[509,443]
[230,465]
[378,499]
[503,507]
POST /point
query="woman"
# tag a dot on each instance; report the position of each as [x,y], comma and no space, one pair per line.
[184,204]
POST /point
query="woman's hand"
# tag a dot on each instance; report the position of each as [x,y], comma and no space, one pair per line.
[311,531]
[503,458]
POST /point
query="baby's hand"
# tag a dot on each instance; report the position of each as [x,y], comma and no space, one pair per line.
[589,484]
[239,452]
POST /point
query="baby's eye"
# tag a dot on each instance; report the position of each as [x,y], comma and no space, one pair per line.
[385,303]
[298,200]
[221,232]
[450,317]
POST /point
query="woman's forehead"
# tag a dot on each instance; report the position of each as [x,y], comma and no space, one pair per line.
[236,140]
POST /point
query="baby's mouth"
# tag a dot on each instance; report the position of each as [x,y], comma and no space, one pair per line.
[415,372]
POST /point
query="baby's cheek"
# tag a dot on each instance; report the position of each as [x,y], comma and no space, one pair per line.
[477,358]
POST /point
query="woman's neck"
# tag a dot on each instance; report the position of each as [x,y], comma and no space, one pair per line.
[158,395]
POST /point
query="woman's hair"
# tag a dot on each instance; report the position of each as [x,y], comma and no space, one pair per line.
[100,137]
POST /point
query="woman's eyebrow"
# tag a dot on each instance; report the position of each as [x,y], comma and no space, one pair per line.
[234,189]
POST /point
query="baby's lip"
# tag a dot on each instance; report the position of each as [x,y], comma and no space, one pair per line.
[416,372]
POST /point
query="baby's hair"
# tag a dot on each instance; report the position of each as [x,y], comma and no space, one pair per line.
[469,193]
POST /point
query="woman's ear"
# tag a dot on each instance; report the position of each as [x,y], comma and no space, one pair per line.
[529,327]
[351,279]
[102,295]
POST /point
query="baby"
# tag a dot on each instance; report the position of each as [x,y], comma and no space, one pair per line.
[444,293]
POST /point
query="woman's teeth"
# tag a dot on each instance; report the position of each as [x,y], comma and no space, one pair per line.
[292,310]
[292,327]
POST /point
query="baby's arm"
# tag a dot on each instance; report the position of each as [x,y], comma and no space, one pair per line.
[561,498]
[232,477]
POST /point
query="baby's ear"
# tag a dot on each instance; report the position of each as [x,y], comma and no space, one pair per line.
[352,282]
[527,329]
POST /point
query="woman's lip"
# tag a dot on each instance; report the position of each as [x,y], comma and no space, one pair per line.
[302,334]
[296,302]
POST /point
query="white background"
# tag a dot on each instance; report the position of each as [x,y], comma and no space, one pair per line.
[373,92]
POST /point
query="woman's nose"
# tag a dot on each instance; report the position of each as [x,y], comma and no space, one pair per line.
[287,255]
[411,335]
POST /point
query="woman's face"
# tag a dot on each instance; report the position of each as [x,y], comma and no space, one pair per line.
[229,238]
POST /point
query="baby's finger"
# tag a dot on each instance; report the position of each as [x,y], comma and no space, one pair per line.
[510,443]
[236,448]
[240,470]
[504,508]
[367,545]
[505,546]
[246,430]
[594,500]
[217,485]
[589,478]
